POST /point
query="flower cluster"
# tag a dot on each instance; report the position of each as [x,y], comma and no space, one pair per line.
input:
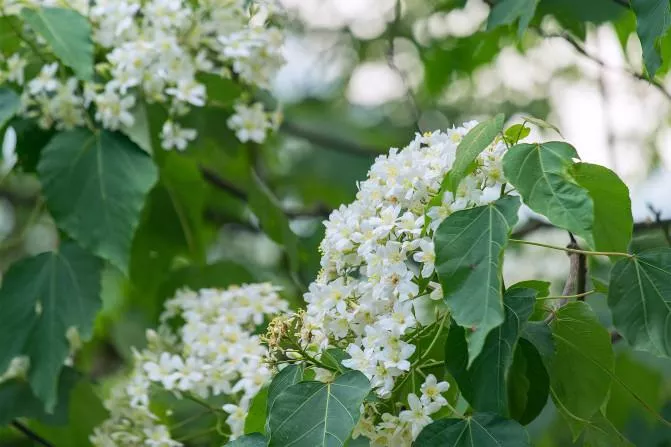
[161,52]
[214,353]
[378,257]
[402,430]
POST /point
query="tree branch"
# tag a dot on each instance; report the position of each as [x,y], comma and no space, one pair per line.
[581,49]
[30,434]
[663,224]
[221,183]
[329,142]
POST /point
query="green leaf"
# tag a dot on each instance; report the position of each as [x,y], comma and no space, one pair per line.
[528,383]
[653,18]
[17,400]
[506,12]
[257,414]
[473,143]
[9,105]
[600,432]
[312,414]
[636,390]
[613,223]
[480,430]
[41,298]
[542,288]
[333,358]
[639,298]
[538,333]
[484,383]
[540,172]
[515,133]
[171,225]
[95,187]
[272,219]
[69,35]
[84,412]
[251,440]
[581,369]
[289,376]
[469,254]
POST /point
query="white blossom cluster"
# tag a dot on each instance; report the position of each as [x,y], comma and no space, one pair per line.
[378,255]
[156,51]
[214,353]
[402,430]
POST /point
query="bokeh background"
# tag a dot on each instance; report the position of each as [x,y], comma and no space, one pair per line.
[363,76]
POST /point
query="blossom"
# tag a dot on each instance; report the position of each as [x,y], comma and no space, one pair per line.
[213,352]
[250,123]
[378,259]
[418,416]
[432,390]
[154,52]
[175,137]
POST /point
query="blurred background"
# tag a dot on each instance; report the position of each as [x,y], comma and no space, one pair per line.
[362,76]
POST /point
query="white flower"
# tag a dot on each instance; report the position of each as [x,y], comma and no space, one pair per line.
[189,91]
[15,69]
[45,80]
[113,110]
[426,256]
[432,391]
[159,436]
[236,419]
[418,416]
[250,123]
[9,157]
[165,371]
[174,136]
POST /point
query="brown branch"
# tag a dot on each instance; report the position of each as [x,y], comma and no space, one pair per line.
[663,224]
[576,280]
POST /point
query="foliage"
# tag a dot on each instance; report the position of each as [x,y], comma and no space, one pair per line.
[190,294]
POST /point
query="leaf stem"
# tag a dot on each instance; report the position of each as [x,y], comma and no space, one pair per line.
[435,338]
[572,250]
[559,297]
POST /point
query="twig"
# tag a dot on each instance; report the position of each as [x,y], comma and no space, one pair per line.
[559,297]
[581,49]
[534,225]
[221,183]
[31,434]
[329,142]
[568,249]
[663,224]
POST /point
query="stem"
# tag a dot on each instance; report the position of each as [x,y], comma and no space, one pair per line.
[203,404]
[31,434]
[572,250]
[435,338]
[559,297]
